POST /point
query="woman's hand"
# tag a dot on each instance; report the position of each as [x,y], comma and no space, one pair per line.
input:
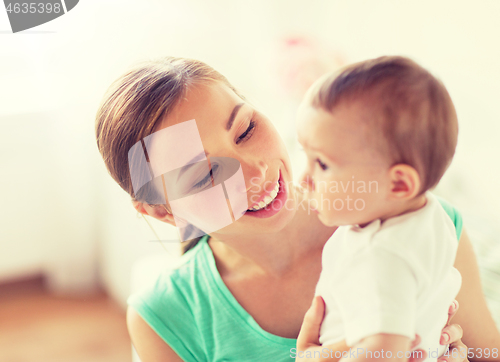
[308,339]
[452,335]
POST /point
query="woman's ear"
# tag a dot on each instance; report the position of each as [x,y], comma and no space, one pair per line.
[157,211]
[404,182]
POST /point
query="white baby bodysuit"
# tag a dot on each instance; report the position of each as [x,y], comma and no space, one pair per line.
[394,277]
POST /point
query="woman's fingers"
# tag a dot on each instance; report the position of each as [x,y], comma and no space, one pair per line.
[456,353]
[450,334]
[452,311]
[309,332]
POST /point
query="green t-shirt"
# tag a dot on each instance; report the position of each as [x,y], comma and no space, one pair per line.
[192,310]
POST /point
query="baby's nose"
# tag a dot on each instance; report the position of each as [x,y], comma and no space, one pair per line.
[307,182]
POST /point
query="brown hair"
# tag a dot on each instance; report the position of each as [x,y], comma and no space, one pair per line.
[413,110]
[135,105]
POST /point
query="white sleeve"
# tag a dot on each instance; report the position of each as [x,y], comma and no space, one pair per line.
[376,293]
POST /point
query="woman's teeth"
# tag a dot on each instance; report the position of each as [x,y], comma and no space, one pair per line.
[268,199]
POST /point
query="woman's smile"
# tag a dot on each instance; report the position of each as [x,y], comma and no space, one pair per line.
[273,205]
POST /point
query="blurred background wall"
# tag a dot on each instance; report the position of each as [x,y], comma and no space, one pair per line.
[63,216]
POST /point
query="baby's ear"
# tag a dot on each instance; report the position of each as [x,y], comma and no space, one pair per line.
[404,182]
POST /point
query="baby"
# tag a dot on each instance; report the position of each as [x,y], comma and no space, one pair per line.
[378,135]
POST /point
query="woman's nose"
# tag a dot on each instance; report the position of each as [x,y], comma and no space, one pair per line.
[255,173]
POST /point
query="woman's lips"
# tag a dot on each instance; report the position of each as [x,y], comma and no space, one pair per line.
[275,206]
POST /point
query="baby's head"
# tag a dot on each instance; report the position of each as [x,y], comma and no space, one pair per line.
[378,135]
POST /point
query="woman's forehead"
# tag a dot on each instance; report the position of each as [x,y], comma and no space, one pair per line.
[208,104]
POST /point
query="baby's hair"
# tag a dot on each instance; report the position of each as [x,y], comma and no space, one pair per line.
[407,105]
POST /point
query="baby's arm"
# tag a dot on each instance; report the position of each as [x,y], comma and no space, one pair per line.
[308,343]
[309,349]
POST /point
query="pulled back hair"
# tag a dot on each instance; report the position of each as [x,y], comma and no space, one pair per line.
[410,109]
[135,105]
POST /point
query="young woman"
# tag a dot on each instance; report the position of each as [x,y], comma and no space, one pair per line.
[242,292]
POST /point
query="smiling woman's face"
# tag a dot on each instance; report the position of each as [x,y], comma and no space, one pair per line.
[230,127]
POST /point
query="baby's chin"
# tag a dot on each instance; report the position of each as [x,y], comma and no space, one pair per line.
[331,221]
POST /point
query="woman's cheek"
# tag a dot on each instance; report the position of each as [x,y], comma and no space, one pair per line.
[207,210]
[270,137]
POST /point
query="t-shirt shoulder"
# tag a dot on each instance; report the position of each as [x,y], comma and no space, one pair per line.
[167,307]
[454,215]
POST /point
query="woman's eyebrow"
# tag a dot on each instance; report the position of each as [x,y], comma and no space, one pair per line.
[229,123]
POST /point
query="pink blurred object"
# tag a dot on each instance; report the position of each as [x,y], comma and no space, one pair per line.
[301,61]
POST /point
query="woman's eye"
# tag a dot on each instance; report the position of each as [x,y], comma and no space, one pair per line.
[207,179]
[247,134]
[321,164]
[203,182]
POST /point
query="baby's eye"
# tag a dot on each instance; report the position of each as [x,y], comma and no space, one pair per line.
[321,164]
